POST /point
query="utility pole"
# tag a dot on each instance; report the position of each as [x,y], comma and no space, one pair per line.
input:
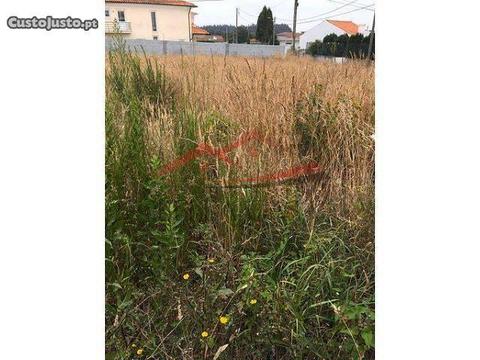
[370,45]
[295,6]
[236,26]
[274,21]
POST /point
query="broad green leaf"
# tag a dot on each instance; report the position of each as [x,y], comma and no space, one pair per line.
[225,292]
[367,336]
[199,272]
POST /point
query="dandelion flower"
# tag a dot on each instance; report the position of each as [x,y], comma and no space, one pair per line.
[224,320]
[204,334]
[186,276]
[253,301]
[211,261]
[133,345]
[139,352]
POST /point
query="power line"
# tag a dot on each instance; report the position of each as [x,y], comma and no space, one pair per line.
[357,5]
[278,4]
[310,19]
[327,12]
[329,17]
[245,19]
[243,11]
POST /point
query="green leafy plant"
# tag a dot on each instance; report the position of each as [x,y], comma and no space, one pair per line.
[196,270]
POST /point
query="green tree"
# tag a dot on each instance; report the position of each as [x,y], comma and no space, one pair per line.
[229,36]
[355,46]
[330,38]
[243,35]
[315,48]
[264,32]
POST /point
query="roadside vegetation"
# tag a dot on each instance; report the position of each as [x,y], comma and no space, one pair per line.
[199,266]
[332,45]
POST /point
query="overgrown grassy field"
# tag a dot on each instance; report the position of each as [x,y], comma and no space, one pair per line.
[201,265]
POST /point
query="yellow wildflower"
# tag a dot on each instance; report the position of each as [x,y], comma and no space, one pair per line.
[253,301]
[211,261]
[139,352]
[186,276]
[204,334]
[224,320]
[133,345]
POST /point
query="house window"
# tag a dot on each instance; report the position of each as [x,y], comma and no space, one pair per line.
[107,13]
[155,38]
[121,16]
[154,21]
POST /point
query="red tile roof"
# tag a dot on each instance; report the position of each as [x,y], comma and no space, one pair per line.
[289,35]
[199,31]
[347,26]
[154,2]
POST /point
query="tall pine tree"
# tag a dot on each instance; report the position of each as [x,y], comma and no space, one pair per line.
[264,32]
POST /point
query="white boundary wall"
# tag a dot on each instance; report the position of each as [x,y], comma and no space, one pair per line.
[160,47]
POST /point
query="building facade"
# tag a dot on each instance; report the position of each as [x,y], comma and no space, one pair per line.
[328,27]
[202,35]
[149,19]
[286,38]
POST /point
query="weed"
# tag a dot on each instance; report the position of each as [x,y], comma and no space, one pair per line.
[198,270]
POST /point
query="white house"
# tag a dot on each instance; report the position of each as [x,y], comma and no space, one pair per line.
[286,38]
[150,19]
[326,27]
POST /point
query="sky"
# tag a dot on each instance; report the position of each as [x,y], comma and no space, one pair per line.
[223,11]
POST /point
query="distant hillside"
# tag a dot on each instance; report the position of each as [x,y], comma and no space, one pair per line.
[252,29]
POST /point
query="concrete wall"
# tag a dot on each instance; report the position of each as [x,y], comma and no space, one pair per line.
[173,22]
[336,60]
[318,32]
[288,42]
[158,47]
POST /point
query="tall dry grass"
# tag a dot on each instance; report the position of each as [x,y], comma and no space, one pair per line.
[302,250]
[295,103]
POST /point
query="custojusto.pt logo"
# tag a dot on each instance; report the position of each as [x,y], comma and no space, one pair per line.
[51,23]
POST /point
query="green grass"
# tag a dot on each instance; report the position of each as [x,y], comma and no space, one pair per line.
[310,273]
